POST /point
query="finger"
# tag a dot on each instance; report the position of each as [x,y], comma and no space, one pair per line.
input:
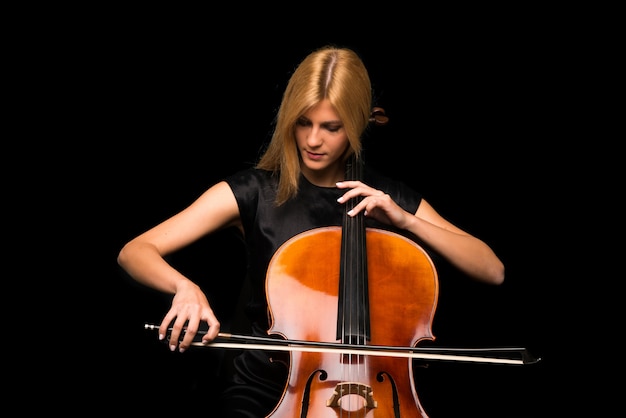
[177,331]
[165,324]
[191,329]
[352,193]
[214,329]
[348,184]
[357,208]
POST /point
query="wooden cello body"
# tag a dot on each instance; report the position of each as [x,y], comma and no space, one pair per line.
[381,293]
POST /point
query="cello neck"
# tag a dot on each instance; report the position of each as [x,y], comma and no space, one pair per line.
[353,319]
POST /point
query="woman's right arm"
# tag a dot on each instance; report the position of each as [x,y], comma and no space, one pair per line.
[143,259]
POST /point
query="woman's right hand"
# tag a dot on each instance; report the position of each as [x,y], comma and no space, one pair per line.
[190,307]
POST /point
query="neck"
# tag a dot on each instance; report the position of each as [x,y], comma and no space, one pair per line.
[326,178]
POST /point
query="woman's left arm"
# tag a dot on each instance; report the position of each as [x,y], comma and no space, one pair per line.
[466,252]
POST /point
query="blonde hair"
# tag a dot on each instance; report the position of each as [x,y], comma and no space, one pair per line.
[336,74]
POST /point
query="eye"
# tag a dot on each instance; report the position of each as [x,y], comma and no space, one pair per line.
[333,127]
[302,121]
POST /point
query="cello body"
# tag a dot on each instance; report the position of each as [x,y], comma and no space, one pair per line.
[308,300]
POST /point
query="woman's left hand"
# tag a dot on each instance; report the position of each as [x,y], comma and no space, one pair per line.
[376,204]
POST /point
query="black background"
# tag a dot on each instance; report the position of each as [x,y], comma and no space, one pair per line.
[168,111]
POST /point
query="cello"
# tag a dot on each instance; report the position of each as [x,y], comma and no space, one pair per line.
[360,286]
[351,315]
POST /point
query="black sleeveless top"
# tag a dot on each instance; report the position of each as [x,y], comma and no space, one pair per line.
[267,227]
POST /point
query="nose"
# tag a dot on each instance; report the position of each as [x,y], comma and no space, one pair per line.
[314,138]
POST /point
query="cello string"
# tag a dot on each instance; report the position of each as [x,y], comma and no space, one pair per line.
[359,294]
[362,286]
[348,283]
[343,279]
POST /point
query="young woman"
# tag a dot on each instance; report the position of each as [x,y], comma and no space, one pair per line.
[298,184]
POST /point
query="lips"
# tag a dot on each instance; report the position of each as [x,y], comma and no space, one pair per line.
[314,157]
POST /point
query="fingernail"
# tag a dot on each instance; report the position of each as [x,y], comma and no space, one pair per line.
[172,347]
[161,336]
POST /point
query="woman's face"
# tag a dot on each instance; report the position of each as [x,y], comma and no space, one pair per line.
[321,140]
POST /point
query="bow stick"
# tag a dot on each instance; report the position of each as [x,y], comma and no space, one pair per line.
[436,353]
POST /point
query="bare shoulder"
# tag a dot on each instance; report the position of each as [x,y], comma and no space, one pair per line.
[218,203]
